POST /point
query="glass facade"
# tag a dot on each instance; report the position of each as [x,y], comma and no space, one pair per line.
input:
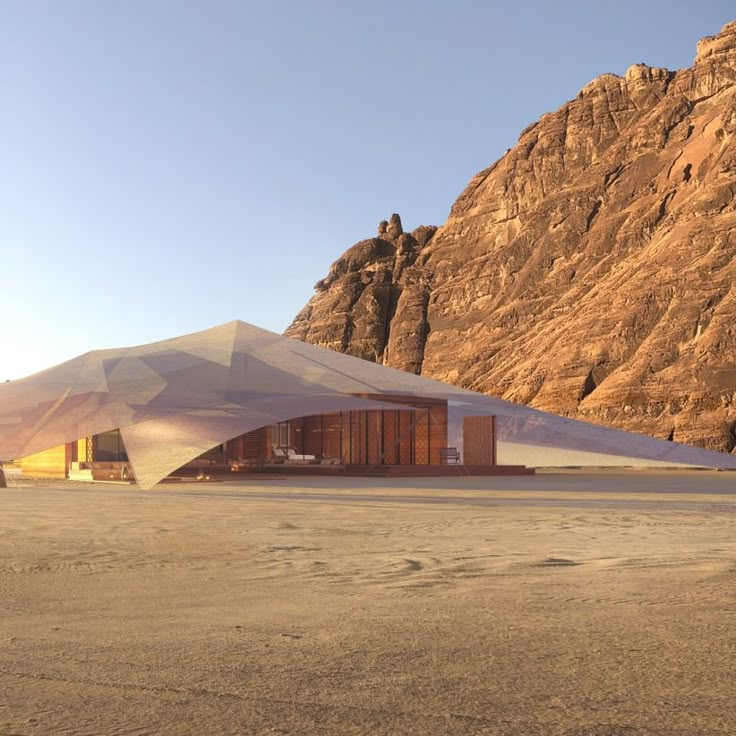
[108,447]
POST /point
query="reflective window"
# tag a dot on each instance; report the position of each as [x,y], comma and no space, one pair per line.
[109,447]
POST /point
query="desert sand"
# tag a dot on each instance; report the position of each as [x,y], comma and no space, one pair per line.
[587,604]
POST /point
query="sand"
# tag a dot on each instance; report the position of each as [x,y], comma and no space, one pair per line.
[584,605]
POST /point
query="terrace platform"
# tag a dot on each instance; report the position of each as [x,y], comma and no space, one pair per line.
[368,471]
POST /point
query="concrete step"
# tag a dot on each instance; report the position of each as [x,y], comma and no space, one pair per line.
[80,475]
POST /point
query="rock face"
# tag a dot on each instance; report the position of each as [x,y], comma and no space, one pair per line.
[590,272]
[373,303]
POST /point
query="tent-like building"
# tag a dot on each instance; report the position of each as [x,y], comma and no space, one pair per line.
[249,397]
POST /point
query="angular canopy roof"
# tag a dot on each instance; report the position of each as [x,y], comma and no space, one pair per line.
[173,400]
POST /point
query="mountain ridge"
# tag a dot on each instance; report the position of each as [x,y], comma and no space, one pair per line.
[590,271]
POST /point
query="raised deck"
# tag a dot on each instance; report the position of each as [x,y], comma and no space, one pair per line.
[434,471]
[388,471]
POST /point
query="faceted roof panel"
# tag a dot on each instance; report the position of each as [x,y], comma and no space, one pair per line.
[174,399]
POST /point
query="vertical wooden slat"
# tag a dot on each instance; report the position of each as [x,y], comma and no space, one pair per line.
[494,442]
[438,432]
[479,440]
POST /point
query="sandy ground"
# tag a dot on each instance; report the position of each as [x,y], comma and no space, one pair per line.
[584,605]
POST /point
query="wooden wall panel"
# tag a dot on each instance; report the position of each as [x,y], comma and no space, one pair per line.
[357,437]
[479,440]
[390,437]
[47,464]
[254,445]
[269,442]
[313,435]
[437,432]
[296,436]
[374,439]
[421,437]
[406,438]
[345,442]
[331,436]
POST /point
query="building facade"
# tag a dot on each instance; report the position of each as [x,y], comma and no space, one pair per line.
[239,395]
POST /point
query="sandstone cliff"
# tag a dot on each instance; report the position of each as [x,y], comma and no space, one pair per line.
[590,272]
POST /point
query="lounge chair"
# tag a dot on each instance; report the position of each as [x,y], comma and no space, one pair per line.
[292,455]
[278,455]
[449,456]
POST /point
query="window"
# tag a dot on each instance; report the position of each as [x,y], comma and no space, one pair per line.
[108,447]
[281,435]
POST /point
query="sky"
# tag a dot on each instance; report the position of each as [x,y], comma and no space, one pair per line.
[169,165]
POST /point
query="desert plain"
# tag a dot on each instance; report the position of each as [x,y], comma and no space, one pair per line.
[575,604]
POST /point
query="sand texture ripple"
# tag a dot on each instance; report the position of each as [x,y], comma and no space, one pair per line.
[333,609]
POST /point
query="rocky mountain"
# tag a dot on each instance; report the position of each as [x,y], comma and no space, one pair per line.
[590,272]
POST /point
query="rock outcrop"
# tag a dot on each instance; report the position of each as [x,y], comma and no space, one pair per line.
[590,272]
[373,303]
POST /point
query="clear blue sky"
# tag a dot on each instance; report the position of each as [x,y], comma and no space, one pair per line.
[166,166]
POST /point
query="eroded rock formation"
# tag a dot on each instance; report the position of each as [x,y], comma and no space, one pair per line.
[591,271]
[373,303]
